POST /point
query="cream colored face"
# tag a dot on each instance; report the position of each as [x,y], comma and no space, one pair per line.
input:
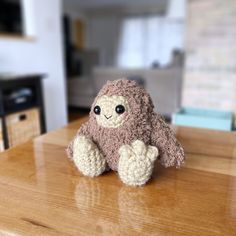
[110,111]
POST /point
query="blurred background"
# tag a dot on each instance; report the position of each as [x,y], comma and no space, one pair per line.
[136,39]
[56,55]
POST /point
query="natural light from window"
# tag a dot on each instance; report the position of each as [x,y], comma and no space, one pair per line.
[149,40]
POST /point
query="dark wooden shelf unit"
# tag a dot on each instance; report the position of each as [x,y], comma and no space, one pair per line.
[9,84]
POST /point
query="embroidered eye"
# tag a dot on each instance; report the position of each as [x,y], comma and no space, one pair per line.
[120,109]
[97,110]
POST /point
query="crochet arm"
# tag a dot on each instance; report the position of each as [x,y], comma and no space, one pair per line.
[171,151]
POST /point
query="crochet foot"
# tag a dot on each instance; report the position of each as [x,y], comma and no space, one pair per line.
[136,163]
[87,157]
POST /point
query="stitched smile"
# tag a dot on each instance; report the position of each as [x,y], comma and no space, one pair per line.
[108,117]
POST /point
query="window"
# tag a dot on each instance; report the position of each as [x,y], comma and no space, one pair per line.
[149,39]
[17,18]
[11,17]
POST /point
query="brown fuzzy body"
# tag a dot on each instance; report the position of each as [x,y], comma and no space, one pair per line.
[140,124]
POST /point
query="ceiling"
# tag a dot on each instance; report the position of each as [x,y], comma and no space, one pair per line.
[90,4]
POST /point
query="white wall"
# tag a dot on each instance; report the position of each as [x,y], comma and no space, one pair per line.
[44,54]
[103,34]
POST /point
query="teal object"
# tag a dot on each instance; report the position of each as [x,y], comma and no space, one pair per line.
[202,118]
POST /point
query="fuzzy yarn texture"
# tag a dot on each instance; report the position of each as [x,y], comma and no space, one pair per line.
[140,123]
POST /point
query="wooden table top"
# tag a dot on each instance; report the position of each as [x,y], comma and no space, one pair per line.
[42,193]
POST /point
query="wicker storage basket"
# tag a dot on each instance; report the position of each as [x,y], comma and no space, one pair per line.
[22,126]
[1,137]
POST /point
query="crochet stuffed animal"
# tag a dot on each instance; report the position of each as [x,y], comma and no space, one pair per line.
[124,134]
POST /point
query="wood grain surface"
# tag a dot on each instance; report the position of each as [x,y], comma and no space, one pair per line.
[42,193]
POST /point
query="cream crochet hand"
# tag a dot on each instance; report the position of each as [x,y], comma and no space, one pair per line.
[136,163]
[87,157]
